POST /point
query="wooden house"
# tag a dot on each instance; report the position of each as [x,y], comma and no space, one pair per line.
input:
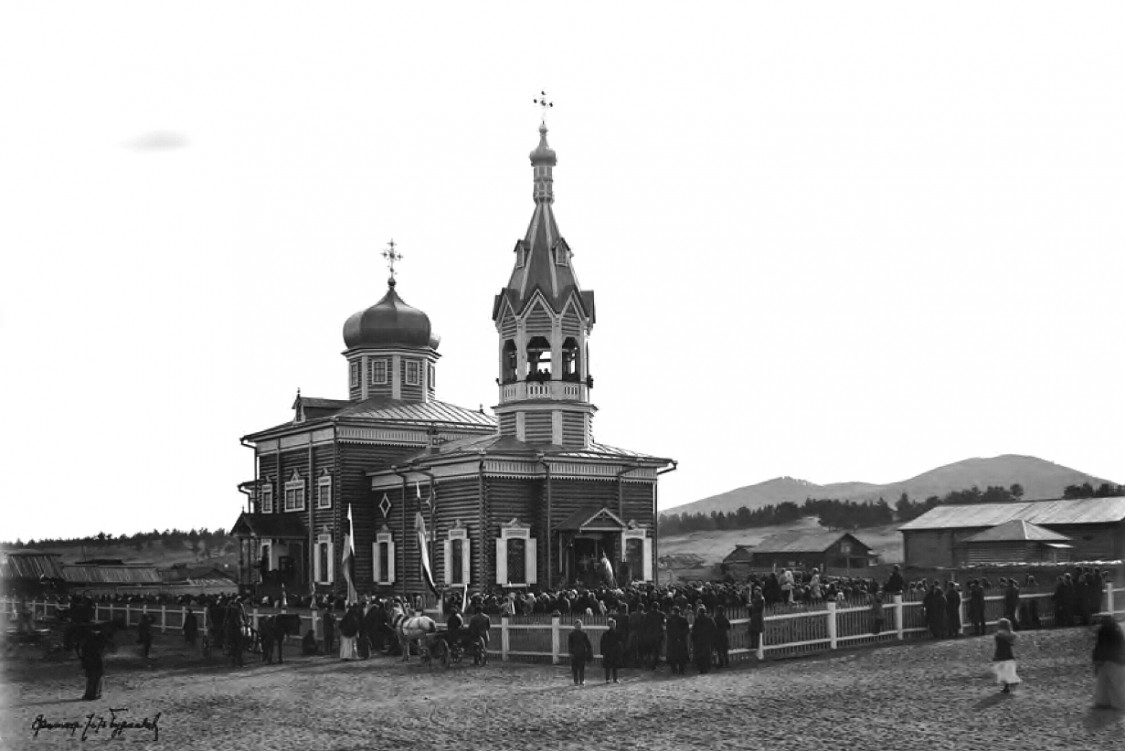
[521,499]
[1095,527]
[841,552]
[29,573]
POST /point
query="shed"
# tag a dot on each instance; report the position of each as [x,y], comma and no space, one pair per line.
[29,572]
[1017,541]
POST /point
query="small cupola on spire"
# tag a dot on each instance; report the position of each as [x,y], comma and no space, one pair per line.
[543,161]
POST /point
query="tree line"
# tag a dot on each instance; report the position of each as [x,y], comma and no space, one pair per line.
[196,539]
[833,513]
[1086,490]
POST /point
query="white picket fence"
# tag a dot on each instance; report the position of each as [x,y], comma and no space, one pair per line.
[541,638]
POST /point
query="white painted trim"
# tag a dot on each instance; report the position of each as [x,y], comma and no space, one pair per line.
[295,484]
[556,427]
[396,379]
[324,481]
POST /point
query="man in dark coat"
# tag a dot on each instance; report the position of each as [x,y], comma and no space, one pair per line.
[362,643]
[375,625]
[92,655]
[266,633]
[722,636]
[636,633]
[612,648]
[703,633]
[191,627]
[144,634]
[653,636]
[894,583]
[934,605]
[976,607]
[953,610]
[580,651]
[677,641]
[329,631]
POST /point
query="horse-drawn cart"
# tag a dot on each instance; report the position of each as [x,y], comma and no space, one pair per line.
[450,649]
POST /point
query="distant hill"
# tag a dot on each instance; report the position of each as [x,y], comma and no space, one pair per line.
[1040,480]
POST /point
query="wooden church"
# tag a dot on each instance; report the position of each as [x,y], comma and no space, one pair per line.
[525,499]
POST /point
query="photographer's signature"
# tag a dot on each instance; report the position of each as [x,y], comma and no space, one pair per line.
[93,723]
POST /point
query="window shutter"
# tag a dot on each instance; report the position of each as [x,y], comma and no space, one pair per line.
[501,561]
[331,562]
[648,559]
[316,563]
[466,578]
[530,561]
[446,562]
[390,563]
[376,574]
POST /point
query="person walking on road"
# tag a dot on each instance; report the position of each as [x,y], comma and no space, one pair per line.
[703,633]
[612,648]
[677,641]
[1004,659]
[952,610]
[1109,666]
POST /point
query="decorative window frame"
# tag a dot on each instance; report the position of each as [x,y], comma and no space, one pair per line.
[413,375]
[324,490]
[431,372]
[266,499]
[457,532]
[320,576]
[354,373]
[374,365]
[639,533]
[383,537]
[514,530]
[295,489]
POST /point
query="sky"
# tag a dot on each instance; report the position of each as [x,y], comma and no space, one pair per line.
[833,241]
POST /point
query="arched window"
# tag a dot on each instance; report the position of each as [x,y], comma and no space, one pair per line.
[570,365]
[539,359]
[508,362]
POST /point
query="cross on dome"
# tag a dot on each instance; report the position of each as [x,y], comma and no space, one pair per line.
[392,255]
[543,105]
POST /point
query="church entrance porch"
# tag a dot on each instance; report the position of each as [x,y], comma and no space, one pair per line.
[584,538]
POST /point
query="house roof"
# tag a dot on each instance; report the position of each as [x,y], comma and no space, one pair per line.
[1077,511]
[1017,530]
[29,565]
[591,517]
[496,444]
[383,409]
[99,574]
[280,526]
[803,542]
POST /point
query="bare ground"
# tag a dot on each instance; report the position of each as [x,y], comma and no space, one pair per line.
[922,695]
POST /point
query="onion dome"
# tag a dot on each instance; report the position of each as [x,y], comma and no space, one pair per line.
[389,322]
[543,153]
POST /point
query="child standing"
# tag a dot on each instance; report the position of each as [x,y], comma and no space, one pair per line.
[1004,660]
[581,652]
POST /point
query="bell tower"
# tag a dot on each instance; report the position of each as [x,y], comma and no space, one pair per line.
[544,320]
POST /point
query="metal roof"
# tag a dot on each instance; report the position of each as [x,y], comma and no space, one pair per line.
[422,413]
[111,574]
[591,517]
[1077,511]
[496,444]
[1017,530]
[803,542]
[29,564]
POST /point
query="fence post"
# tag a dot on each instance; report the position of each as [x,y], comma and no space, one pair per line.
[554,639]
[315,623]
[1109,598]
[163,618]
[831,625]
[254,619]
[898,616]
[504,638]
[762,643]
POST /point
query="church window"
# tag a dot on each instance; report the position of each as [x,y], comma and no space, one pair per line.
[378,371]
[324,563]
[516,555]
[508,362]
[267,498]
[324,491]
[539,359]
[517,561]
[456,556]
[570,365]
[413,373]
[295,493]
[355,374]
[383,557]
[430,371]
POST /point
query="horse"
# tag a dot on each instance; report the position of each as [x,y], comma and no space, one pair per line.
[414,629]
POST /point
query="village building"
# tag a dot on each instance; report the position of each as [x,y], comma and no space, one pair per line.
[841,552]
[526,498]
[1016,541]
[30,573]
[946,536]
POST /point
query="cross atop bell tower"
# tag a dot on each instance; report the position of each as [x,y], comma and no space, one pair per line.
[393,256]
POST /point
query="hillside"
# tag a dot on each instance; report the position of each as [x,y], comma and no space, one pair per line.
[150,554]
[1040,479]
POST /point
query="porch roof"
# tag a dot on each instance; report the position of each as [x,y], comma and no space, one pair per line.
[274,526]
[592,518]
